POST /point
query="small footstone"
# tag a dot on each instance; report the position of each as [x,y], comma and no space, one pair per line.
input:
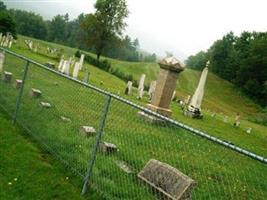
[88,130]
[108,148]
[124,167]
[167,181]
[18,84]
[45,105]
[35,93]
[7,76]
[65,119]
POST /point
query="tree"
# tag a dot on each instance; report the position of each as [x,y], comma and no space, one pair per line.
[29,24]
[105,24]
[2,6]
[197,61]
[7,24]
[58,28]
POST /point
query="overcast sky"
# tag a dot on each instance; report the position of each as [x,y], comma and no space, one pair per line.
[182,27]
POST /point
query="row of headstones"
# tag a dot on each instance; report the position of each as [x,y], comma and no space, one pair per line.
[141,87]
[6,40]
[65,66]
[31,46]
[36,93]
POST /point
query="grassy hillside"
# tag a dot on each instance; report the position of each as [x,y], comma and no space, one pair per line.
[219,172]
[220,96]
[27,173]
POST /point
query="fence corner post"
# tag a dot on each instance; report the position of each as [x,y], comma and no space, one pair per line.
[18,101]
[96,146]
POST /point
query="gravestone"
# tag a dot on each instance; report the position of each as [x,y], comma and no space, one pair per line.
[225,119]
[81,62]
[88,131]
[35,93]
[76,70]
[2,60]
[8,77]
[128,89]
[108,148]
[167,181]
[18,83]
[174,95]
[86,77]
[249,130]
[141,87]
[61,63]
[194,108]
[169,70]
[152,89]
[237,120]
[65,119]
[45,105]
[66,67]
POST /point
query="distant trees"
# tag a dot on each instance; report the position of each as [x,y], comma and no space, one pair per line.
[105,26]
[101,32]
[30,24]
[241,60]
[7,22]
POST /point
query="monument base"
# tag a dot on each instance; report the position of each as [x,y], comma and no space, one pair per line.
[192,112]
[149,118]
[162,111]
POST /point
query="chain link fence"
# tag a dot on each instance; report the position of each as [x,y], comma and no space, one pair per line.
[103,139]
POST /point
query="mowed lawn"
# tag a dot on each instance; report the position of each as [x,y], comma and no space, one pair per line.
[28,173]
[219,172]
[220,96]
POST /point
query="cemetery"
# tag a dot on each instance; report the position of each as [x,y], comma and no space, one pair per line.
[133,151]
[118,102]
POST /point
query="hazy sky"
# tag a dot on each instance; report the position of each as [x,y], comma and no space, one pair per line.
[182,27]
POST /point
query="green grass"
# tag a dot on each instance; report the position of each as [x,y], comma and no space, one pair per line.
[219,172]
[28,173]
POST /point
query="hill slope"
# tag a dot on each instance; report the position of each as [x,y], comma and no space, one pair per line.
[220,96]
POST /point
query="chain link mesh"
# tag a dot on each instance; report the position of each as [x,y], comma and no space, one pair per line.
[219,172]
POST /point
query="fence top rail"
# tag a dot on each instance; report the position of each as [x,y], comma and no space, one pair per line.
[121,99]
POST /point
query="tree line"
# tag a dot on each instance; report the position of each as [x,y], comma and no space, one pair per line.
[241,60]
[100,32]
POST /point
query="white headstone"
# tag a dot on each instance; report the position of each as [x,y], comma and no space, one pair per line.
[152,89]
[76,70]
[249,130]
[141,87]
[128,90]
[173,95]
[61,63]
[81,61]
[199,93]
[2,60]
[66,67]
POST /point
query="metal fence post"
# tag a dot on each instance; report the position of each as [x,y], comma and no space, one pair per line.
[96,146]
[18,101]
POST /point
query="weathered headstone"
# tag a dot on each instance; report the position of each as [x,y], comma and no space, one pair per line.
[18,83]
[225,119]
[194,108]
[167,181]
[65,119]
[166,84]
[86,77]
[141,87]
[249,130]
[2,60]
[174,95]
[237,120]
[108,148]
[66,67]
[45,105]
[35,93]
[152,89]
[61,63]
[76,70]
[8,77]
[128,89]
[88,130]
